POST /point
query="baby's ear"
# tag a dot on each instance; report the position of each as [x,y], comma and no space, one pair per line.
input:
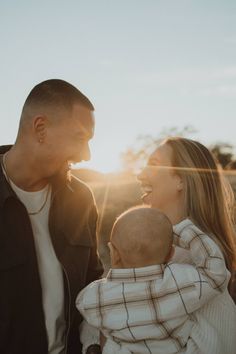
[115,256]
[170,254]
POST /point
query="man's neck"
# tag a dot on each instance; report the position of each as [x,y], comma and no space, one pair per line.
[21,171]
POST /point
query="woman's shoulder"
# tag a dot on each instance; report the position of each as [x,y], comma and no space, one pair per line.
[181,255]
[186,232]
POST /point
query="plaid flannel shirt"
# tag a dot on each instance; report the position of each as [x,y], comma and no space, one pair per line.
[147,310]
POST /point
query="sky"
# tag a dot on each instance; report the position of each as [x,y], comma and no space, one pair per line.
[147,65]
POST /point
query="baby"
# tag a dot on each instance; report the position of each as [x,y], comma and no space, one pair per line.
[144,304]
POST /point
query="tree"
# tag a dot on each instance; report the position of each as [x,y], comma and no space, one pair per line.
[135,157]
[223,153]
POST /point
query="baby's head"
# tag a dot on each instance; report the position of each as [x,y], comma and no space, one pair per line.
[141,237]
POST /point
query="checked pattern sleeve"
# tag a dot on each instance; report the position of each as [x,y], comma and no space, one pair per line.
[209,273]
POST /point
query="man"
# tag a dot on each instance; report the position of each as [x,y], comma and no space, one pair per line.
[47,224]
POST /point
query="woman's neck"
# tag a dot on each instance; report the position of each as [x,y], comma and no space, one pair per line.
[175,213]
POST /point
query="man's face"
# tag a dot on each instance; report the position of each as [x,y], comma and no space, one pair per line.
[67,140]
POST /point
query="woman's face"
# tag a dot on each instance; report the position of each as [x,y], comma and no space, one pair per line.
[161,185]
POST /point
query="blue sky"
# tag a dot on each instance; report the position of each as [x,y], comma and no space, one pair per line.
[145,64]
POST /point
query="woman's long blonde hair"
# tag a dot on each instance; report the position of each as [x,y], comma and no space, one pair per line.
[209,199]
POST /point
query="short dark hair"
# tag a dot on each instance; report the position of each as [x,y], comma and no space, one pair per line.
[57,92]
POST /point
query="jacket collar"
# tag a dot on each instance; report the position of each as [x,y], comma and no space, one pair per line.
[5,189]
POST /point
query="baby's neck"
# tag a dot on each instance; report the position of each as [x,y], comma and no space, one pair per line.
[138,264]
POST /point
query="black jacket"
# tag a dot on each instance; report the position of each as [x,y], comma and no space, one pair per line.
[72,226]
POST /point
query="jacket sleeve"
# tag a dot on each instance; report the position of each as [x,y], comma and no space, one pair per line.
[95,268]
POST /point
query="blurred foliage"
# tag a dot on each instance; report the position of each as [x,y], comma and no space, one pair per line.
[223,153]
[114,193]
[136,156]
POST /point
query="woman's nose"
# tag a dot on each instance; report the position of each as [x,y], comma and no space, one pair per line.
[141,175]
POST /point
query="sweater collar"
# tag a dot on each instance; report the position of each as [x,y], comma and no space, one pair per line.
[178,228]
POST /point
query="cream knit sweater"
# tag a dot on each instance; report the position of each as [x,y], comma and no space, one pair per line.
[214,330]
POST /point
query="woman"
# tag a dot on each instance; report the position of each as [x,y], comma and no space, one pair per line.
[183,181]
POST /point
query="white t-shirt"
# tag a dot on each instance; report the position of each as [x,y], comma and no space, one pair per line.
[50,270]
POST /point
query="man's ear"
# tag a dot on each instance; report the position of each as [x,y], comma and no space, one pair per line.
[40,123]
[115,256]
[170,255]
